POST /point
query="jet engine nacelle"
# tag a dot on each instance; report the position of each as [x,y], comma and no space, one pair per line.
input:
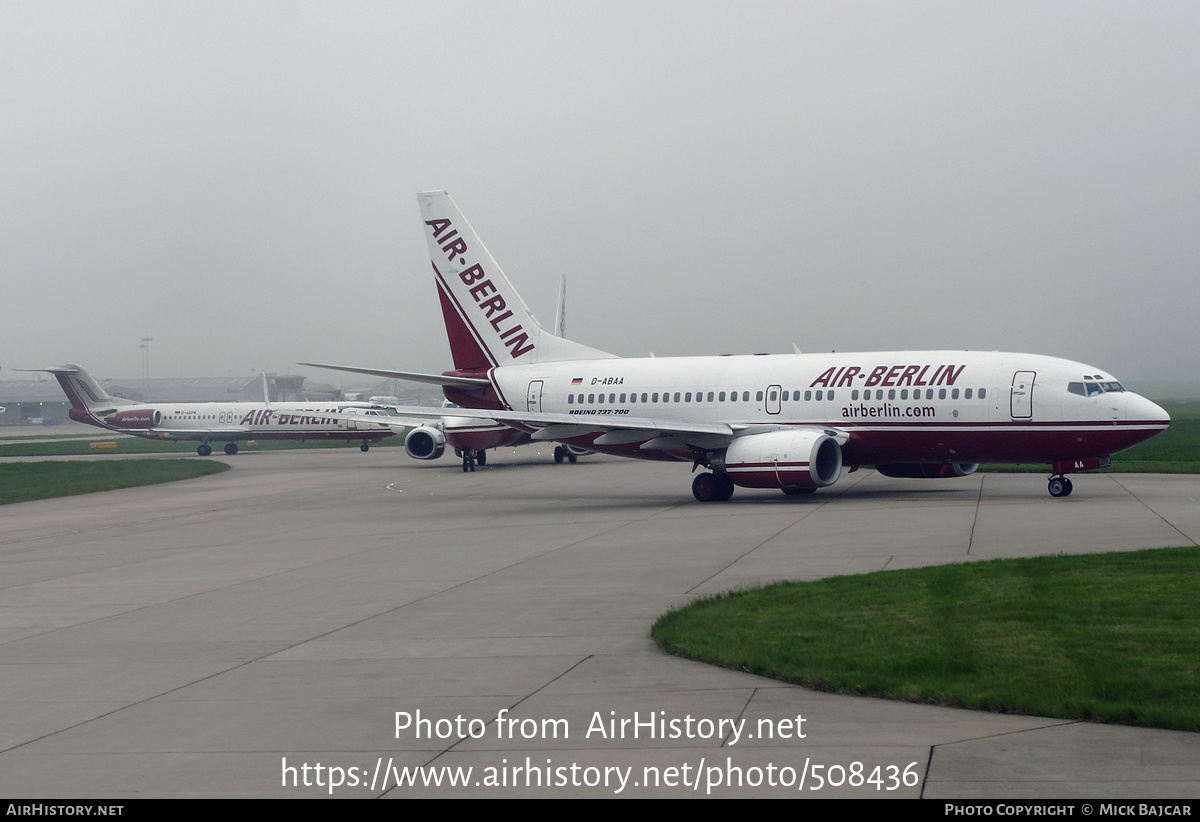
[927,470]
[425,443]
[139,418]
[805,458]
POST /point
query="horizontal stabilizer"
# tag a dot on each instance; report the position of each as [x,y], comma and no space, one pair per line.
[411,376]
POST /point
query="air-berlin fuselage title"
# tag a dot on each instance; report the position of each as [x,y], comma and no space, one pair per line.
[888,376]
[496,310]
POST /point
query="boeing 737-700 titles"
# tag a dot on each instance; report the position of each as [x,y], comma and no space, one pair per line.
[226,422]
[788,421]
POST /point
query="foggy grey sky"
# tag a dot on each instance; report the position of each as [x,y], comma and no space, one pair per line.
[237,180]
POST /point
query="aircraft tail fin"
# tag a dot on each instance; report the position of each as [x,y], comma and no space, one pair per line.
[487,322]
[87,398]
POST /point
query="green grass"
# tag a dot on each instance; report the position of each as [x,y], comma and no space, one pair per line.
[25,481]
[138,445]
[1107,637]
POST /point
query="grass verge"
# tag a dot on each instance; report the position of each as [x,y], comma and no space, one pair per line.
[25,481]
[137,445]
[1103,637]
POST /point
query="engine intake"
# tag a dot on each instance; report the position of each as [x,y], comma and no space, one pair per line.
[927,470]
[783,459]
[425,443]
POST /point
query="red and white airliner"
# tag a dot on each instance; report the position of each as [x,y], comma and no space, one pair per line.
[226,422]
[770,421]
[471,437]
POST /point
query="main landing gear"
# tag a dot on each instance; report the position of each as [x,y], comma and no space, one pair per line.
[1059,486]
[562,452]
[364,447]
[231,448]
[708,487]
[468,462]
[204,449]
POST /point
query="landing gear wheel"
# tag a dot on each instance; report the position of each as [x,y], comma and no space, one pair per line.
[1060,487]
[231,448]
[798,490]
[572,457]
[559,454]
[468,462]
[481,458]
[708,487]
[364,447]
[204,449]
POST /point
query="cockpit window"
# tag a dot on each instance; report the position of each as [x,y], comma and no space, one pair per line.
[1076,388]
[1112,386]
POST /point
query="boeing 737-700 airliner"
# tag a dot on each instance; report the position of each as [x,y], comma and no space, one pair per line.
[789,421]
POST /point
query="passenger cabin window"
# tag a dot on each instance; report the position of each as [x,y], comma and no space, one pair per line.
[745,396]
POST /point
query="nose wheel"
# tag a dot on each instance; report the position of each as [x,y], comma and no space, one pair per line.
[1059,487]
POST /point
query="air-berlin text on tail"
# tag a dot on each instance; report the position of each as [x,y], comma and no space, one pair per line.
[888,376]
[496,310]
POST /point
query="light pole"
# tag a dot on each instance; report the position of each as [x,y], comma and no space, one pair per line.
[145,346]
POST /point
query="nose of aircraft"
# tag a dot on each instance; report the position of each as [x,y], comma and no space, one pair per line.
[1140,408]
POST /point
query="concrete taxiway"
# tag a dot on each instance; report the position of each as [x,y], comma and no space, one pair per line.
[226,636]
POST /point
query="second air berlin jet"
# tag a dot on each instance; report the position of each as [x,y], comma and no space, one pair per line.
[788,421]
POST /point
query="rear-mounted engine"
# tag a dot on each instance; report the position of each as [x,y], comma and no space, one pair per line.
[139,418]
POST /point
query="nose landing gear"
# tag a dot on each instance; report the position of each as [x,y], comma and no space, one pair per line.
[1059,486]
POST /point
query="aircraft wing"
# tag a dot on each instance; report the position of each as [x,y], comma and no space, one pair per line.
[613,430]
[411,376]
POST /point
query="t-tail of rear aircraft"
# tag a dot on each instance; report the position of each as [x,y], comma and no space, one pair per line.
[487,322]
[89,402]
